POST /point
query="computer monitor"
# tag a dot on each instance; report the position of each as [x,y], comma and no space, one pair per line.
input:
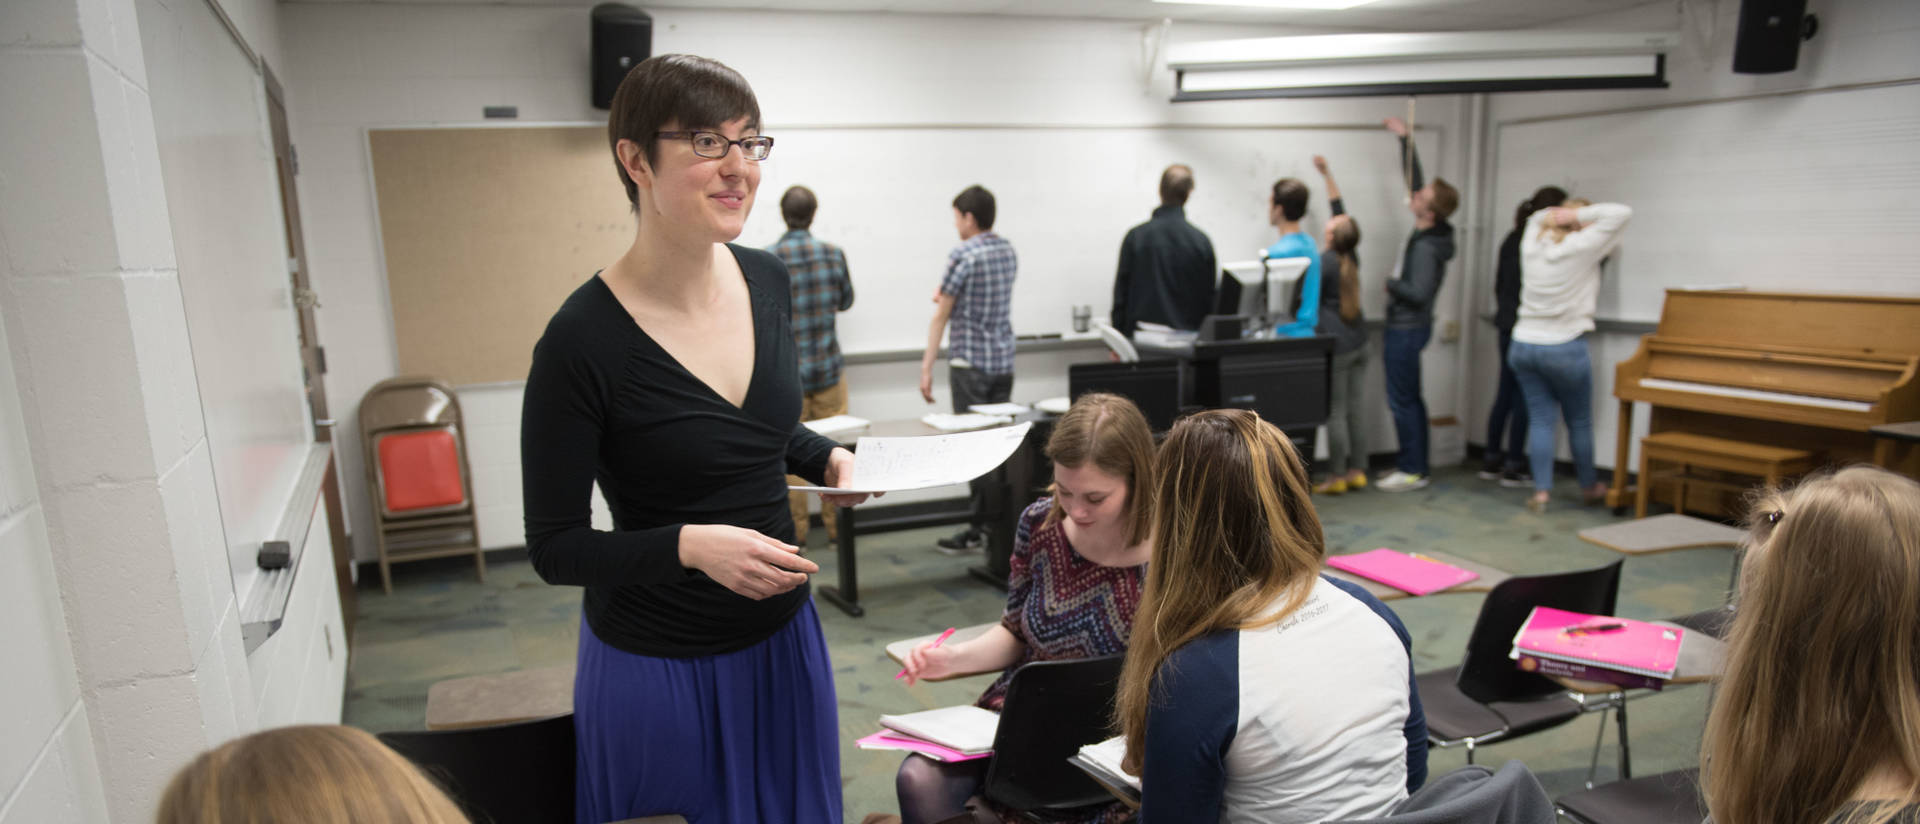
[1154,386]
[1259,289]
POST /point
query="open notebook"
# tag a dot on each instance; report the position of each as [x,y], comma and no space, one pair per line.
[1102,761]
[966,728]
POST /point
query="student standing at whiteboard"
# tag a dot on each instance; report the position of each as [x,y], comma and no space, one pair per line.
[1410,294]
[1560,256]
[1509,416]
[1289,204]
[820,287]
[976,296]
[1167,269]
[1340,317]
[703,685]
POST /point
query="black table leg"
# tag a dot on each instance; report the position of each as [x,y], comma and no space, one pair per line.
[1620,717]
[846,596]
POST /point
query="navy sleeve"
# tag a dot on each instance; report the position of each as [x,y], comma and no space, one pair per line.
[1416,727]
[1191,721]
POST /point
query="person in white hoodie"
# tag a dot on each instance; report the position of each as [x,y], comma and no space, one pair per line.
[1560,256]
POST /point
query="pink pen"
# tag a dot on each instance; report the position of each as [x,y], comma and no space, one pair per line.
[936,643]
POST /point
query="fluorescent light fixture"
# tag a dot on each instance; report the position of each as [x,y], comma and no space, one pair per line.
[1421,63]
[1308,5]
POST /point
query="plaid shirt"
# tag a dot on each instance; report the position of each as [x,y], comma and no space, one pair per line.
[980,273]
[821,286]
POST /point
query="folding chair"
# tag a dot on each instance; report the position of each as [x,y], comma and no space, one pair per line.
[417,474]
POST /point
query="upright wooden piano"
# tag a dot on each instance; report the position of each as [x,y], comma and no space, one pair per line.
[1806,371]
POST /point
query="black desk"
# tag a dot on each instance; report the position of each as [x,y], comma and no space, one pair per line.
[1004,501]
[1289,381]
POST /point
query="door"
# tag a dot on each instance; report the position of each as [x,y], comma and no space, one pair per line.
[313,357]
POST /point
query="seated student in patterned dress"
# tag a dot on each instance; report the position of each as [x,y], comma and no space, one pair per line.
[1078,560]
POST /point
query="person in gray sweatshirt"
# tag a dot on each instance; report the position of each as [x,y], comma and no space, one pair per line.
[1410,295]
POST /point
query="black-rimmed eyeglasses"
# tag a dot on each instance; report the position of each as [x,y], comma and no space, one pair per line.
[715,145]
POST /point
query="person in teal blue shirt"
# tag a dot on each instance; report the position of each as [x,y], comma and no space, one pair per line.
[1289,205]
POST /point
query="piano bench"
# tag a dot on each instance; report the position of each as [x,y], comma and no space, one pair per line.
[1689,451]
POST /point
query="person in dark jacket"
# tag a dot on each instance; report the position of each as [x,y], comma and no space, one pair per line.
[1167,269]
[1410,296]
[1508,422]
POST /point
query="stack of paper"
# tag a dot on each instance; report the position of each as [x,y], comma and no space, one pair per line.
[1597,648]
[962,422]
[837,423]
[892,464]
[1006,409]
[960,733]
[1102,761]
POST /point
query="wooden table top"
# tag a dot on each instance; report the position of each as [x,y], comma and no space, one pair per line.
[1663,533]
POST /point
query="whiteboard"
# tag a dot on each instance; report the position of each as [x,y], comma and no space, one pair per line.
[1808,192]
[1065,198]
[223,203]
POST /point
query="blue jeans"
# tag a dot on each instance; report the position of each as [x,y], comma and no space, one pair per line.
[1508,421]
[1401,356]
[1562,375]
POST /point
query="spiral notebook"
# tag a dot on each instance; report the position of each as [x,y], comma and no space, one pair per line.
[1408,573]
[1600,641]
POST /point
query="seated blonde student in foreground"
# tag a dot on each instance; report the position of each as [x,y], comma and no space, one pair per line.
[1071,593]
[1255,689]
[306,774]
[1818,717]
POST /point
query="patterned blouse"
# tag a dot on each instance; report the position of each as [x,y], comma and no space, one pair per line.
[1059,604]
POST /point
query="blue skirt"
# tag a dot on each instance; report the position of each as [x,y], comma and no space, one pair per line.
[748,736]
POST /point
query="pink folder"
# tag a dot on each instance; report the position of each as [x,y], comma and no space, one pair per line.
[1600,640]
[1401,571]
[894,741]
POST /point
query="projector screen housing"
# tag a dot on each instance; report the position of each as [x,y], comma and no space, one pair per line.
[1355,65]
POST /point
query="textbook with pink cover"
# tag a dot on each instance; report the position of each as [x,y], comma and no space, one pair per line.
[1408,573]
[1600,641]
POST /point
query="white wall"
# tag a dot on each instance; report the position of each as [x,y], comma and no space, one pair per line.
[122,623]
[48,772]
[361,66]
[1829,201]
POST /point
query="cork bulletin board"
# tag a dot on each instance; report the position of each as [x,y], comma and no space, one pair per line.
[485,231]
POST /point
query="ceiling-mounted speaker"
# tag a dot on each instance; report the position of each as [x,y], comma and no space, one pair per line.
[622,37]
[1768,38]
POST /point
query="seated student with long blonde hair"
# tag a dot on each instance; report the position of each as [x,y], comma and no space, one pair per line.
[1818,716]
[1256,689]
[1073,587]
[305,775]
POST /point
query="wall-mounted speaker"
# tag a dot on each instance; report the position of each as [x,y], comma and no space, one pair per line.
[1768,39]
[622,37]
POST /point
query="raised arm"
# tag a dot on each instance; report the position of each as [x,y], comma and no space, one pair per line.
[1409,154]
[1333,189]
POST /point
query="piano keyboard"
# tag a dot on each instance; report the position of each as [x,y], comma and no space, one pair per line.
[1755,394]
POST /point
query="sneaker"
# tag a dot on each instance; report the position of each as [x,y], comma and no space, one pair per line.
[1331,486]
[962,542]
[1357,481]
[1490,471]
[1516,480]
[1398,481]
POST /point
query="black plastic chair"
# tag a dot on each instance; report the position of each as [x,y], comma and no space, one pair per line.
[1667,798]
[1053,709]
[519,773]
[1487,698]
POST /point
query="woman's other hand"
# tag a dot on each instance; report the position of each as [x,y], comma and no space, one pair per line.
[743,560]
[840,474]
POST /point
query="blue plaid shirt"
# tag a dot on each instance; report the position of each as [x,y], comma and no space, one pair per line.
[980,273]
[821,286]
